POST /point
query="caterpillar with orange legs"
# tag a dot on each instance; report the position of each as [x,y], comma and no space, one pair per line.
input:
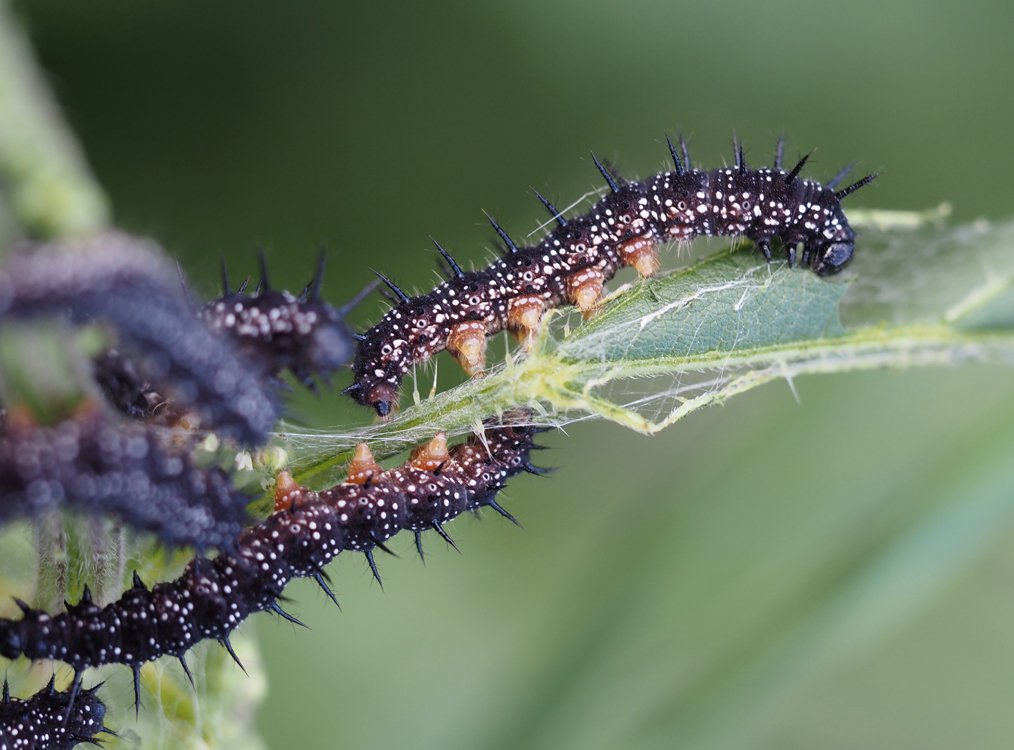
[572,263]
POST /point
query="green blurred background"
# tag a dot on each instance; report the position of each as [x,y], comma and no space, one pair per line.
[833,573]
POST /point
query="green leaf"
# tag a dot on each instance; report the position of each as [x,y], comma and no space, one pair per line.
[730,302]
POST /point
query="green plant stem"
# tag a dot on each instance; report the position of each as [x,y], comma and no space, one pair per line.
[560,387]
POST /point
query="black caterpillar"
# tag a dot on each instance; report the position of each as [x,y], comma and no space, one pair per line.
[310,529]
[51,719]
[126,283]
[279,331]
[233,348]
[572,262]
[271,330]
[94,464]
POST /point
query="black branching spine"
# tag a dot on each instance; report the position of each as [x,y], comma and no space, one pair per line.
[309,530]
[572,262]
[51,719]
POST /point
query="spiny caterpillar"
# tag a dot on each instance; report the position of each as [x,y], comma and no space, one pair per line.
[308,530]
[92,463]
[572,262]
[272,330]
[277,331]
[125,283]
[51,719]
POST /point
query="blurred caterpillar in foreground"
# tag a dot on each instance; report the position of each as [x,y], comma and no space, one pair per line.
[126,284]
[179,365]
[97,464]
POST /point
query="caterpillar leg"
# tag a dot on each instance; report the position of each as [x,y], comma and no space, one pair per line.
[524,315]
[810,253]
[640,253]
[285,491]
[467,343]
[432,455]
[363,468]
[584,289]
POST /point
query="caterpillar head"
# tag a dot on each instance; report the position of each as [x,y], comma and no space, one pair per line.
[835,241]
[834,257]
[383,397]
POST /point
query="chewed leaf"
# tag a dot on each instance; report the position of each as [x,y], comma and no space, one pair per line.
[729,302]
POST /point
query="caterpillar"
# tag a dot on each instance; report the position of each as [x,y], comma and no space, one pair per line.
[51,719]
[93,464]
[309,529]
[125,282]
[573,261]
[272,331]
[280,331]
